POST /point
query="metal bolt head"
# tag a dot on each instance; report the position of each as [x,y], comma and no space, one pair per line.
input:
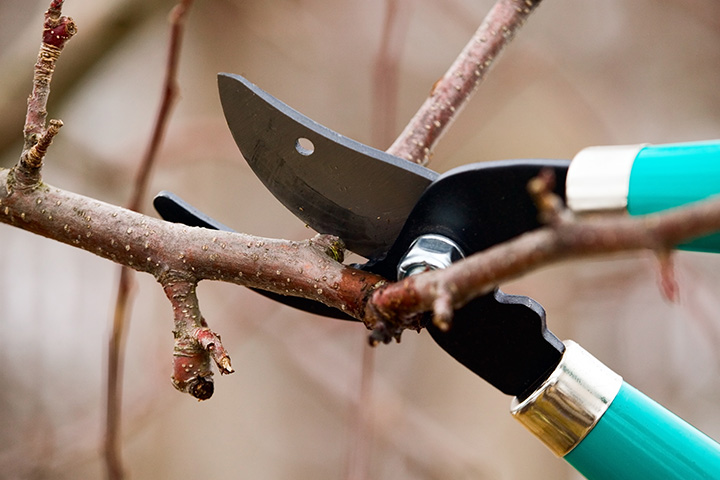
[428,252]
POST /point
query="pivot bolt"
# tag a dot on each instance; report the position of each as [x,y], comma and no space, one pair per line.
[428,252]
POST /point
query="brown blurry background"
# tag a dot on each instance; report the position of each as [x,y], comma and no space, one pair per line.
[578,74]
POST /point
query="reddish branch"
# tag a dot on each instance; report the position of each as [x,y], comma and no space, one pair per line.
[113,391]
[451,92]
[308,269]
[57,30]
[195,343]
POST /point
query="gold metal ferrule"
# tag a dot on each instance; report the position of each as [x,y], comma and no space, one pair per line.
[563,410]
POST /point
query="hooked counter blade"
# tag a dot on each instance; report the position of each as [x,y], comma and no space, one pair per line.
[334,184]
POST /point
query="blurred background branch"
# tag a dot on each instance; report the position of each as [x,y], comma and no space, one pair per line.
[116,343]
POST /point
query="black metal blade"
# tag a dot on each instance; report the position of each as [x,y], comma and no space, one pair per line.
[334,184]
[174,209]
[502,338]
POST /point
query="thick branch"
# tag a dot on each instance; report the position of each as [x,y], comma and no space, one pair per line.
[450,94]
[306,269]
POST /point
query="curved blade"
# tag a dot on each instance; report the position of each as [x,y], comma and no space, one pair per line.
[334,184]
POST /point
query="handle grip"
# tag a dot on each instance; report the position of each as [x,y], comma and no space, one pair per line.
[667,176]
[607,430]
[646,179]
[638,438]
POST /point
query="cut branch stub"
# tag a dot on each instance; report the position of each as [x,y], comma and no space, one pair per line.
[195,343]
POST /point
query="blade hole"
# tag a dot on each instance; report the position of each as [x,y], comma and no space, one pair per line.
[304,146]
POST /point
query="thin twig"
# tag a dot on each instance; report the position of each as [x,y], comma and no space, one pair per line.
[385,101]
[454,89]
[170,95]
[386,71]
[113,390]
[57,30]
[359,458]
[33,157]
[116,342]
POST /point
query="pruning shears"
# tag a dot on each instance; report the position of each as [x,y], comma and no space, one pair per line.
[406,219]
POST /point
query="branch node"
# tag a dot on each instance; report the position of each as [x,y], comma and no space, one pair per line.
[211,343]
[33,157]
[551,208]
[333,246]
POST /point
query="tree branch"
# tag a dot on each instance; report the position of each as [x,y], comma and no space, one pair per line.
[386,71]
[195,343]
[180,256]
[480,273]
[384,113]
[452,92]
[306,269]
[57,30]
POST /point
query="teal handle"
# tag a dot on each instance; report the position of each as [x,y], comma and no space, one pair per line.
[667,176]
[637,438]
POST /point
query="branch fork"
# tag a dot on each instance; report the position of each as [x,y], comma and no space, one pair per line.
[313,269]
